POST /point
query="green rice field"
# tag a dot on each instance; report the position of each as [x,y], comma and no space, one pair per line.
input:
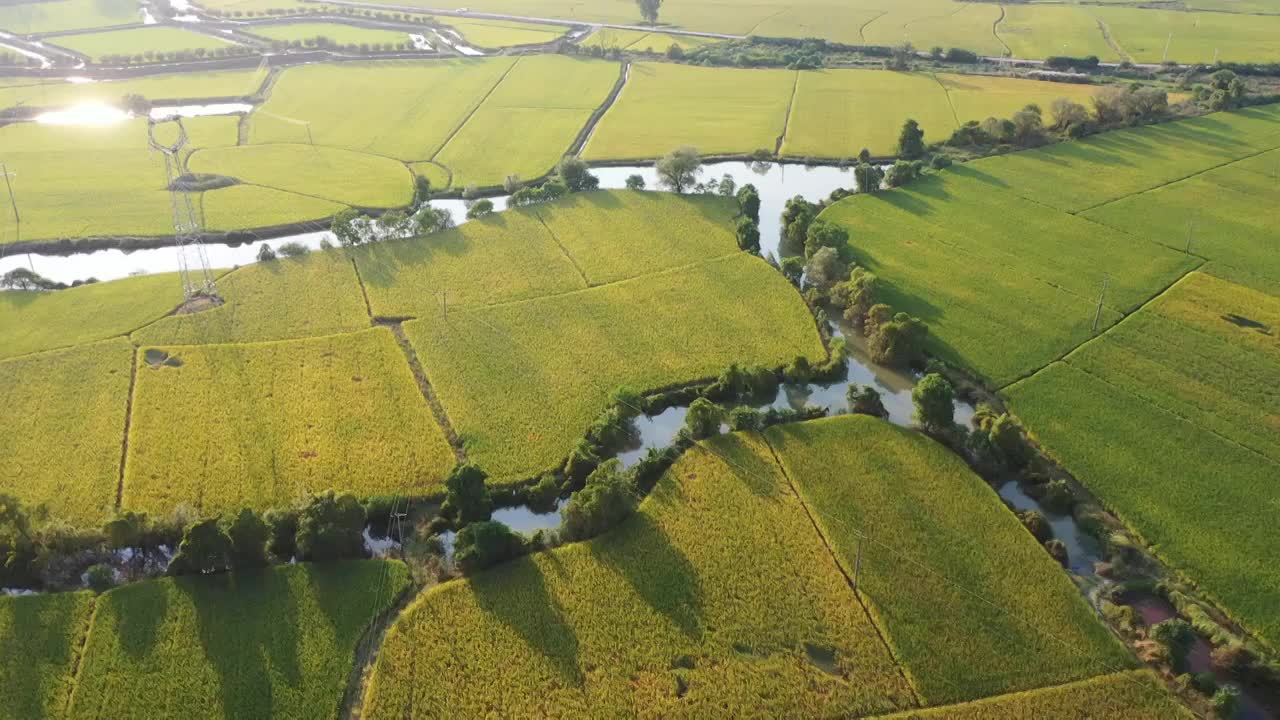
[339,412]
[688,629]
[62,429]
[338,33]
[60,15]
[522,381]
[988,612]
[1193,376]
[278,642]
[246,207]
[182,86]
[332,174]
[504,33]
[138,42]
[40,637]
[641,41]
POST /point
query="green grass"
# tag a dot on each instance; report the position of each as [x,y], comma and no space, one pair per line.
[379,100]
[1229,215]
[529,121]
[521,382]
[1196,37]
[700,605]
[980,265]
[40,17]
[245,207]
[138,41]
[1041,31]
[1136,695]
[177,86]
[35,321]
[339,33]
[1197,394]
[505,257]
[40,637]
[274,643]
[988,612]
[313,295]
[832,116]
[62,429]
[279,421]
[615,235]
[326,173]
[502,33]
[716,110]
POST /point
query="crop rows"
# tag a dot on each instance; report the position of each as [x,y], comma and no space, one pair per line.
[1189,382]
[275,643]
[988,611]
[1135,695]
[701,605]
[263,425]
[40,637]
[62,428]
[522,382]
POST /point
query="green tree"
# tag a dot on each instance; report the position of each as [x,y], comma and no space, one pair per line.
[856,295]
[345,228]
[479,209]
[865,400]
[679,169]
[576,175]
[748,232]
[1226,701]
[934,399]
[331,527]
[749,202]
[466,493]
[635,182]
[897,342]
[606,500]
[821,233]
[1176,635]
[249,535]
[484,544]
[911,140]
[125,530]
[825,269]
[421,190]
[797,214]
[1006,435]
[283,525]
[205,548]
[868,177]
[703,419]
[101,578]
[265,253]
[792,268]
[649,10]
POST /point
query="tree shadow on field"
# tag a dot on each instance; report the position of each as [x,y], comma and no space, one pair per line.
[600,199]
[42,624]
[347,611]
[516,596]
[139,610]
[660,574]
[247,624]
[967,170]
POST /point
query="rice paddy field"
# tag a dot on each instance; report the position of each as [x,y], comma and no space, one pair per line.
[333,174]
[988,611]
[641,41]
[60,15]
[262,303]
[688,628]
[1193,375]
[138,42]
[522,381]
[32,322]
[271,643]
[248,207]
[338,33]
[976,218]
[279,421]
[62,429]
[179,86]
[501,33]
[40,637]
[1204,37]
[1134,695]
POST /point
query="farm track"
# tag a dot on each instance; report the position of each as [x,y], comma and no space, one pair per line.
[584,135]
[786,119]
[79,661]
[128,421]
[1111,42]
[995,32]
[367,651]
[835,558]
[428,392]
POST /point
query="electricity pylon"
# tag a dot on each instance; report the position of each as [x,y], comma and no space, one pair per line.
[197,280]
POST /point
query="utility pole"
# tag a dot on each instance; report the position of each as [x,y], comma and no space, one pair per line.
[187,228]
[1097,317]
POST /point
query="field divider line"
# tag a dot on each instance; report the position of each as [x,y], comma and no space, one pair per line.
[950,101]
[597,115]
[1123,316]
[568,255]
[428,392]
[835,558]
[1197,173]
[367,651]
[78,665]
[995,32]
[786,119]
[474,110]
[863,26]
[128,426]
[364,292]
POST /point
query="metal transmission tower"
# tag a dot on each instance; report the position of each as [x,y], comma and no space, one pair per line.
[196,281]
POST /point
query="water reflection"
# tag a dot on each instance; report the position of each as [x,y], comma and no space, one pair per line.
[85,114]
[172,111]
[1083,550]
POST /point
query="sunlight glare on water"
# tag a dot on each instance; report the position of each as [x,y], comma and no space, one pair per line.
[87,114]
